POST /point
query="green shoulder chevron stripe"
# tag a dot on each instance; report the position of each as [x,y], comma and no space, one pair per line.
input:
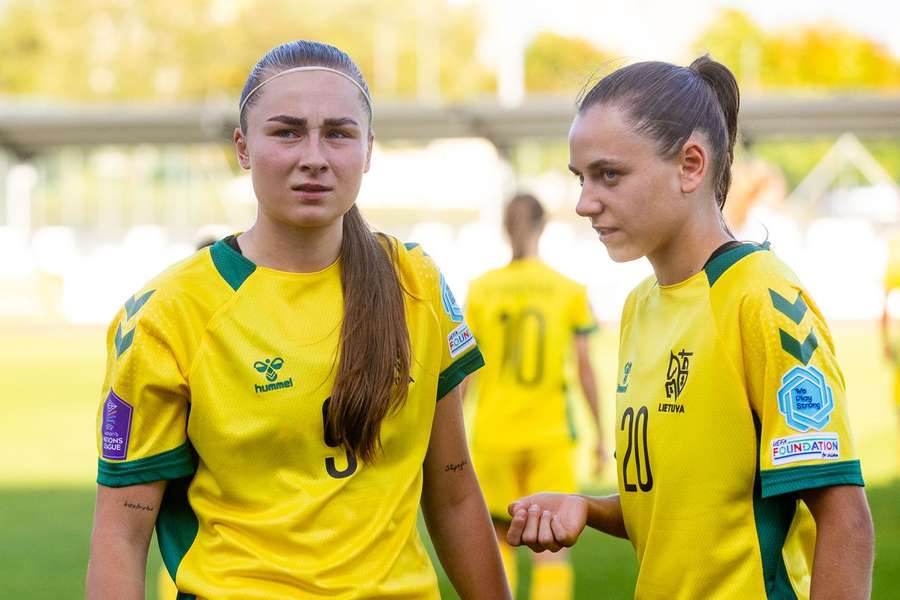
[132,305]
[802,352]
[123,342]
[792,310]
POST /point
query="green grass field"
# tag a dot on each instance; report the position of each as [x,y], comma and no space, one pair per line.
[50,382]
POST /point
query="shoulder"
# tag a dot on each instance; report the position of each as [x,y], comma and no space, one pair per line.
[751,273]
[191,289]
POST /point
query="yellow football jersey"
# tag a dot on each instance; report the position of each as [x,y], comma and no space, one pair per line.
[525,316]
[218,380]
[729,402]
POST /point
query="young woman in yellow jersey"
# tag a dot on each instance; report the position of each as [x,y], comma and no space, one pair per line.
[736,471]
[280,404]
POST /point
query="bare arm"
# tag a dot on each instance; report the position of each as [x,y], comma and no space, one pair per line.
[123,525]
[454,509]
[845,543]
[588,381]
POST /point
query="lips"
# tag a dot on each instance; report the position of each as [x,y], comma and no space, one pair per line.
[311,188]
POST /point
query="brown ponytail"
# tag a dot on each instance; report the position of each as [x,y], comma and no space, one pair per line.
[725,87]
[668,103]
[373,368]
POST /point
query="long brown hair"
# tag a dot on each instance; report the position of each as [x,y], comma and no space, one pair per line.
[374,356]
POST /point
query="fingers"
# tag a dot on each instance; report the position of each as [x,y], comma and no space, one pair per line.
[560,533]
[530,533]
[515,507]
[516,526]
[545,534]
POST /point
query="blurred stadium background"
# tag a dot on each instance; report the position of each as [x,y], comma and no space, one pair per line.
[115,120]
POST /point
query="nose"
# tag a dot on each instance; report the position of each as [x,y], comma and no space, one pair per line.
[589,204]
[312,159]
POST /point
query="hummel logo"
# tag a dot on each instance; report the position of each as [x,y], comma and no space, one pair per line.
[123,339]
[270,367]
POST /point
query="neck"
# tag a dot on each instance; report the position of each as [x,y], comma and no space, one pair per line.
[685,253]
[527,248]
[290,248]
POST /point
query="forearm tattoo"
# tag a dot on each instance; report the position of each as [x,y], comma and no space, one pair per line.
[456,467]
[137,506]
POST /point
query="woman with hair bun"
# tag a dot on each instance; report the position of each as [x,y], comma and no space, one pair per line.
[281,403]
[736,470]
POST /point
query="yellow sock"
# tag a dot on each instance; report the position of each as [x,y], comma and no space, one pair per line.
[551,580]
[508,555]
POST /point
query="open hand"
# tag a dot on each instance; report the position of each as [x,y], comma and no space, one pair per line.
[547,521]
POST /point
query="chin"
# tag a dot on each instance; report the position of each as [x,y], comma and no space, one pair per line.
[623,254]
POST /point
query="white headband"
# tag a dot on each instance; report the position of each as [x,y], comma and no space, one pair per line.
[311,68]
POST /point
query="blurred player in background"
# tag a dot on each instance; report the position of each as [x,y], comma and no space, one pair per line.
[280,404]
[529,321]
[737,473]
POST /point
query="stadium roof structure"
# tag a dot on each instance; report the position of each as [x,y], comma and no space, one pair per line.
[28,129]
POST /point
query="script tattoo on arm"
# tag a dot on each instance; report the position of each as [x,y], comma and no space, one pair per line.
[137,506]
[456,467]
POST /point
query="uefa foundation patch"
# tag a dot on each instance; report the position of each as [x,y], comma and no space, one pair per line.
[116,427]
[820,446]
[460,339]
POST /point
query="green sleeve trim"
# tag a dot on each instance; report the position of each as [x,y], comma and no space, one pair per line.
[456,372]
[586,330]
[411,245]
[717,266]
[807,477]
[232,266]
[172,464]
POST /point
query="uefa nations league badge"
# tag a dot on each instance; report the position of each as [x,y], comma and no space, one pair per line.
[805,399]
[116,427]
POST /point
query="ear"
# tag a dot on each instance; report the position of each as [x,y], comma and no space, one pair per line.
[240,147]
[693,164]
[369,153]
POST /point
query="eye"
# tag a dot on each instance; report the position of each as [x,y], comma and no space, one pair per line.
[339,134]
[286,133]
[609,175]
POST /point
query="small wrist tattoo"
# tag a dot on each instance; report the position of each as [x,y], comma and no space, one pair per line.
[457,466]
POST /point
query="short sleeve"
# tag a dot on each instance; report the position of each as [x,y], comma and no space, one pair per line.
[142,418]
[583,321]
[797,392]
[460,353]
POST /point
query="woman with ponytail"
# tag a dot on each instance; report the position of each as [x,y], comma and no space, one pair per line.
[736,469]
[280,404]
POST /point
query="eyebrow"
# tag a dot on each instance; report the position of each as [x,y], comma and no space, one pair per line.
[600,163]
[301,122]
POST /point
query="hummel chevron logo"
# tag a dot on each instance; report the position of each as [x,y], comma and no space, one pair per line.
[132,306]
[793,311]
[802,352]
[123,342]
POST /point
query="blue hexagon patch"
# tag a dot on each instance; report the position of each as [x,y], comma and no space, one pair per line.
[805,399]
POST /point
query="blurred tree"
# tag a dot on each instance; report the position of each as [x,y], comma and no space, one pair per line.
[733,39]
[556,63]
[111,50]
[824,56]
